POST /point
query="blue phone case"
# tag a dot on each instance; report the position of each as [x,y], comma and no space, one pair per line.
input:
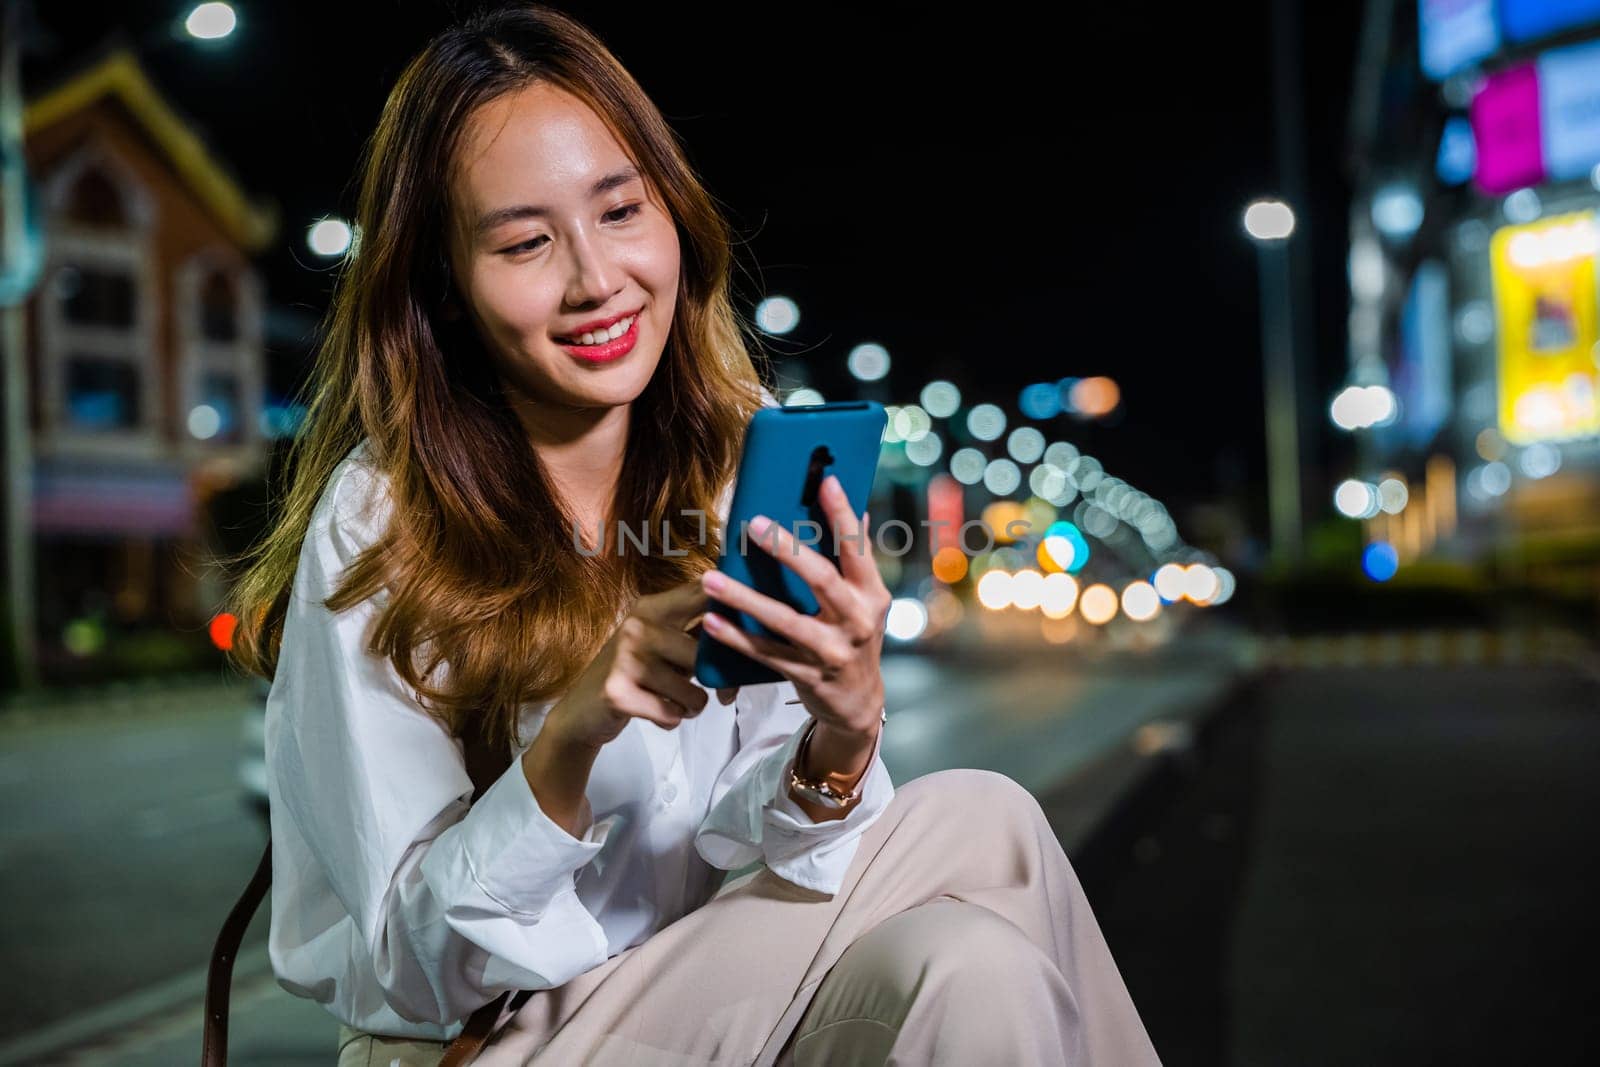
[788,451]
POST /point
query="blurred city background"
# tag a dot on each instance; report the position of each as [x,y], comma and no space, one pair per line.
[1275,323]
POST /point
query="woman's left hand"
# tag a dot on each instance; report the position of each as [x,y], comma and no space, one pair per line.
[832,657]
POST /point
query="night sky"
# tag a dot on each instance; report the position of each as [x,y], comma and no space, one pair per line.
[997,202]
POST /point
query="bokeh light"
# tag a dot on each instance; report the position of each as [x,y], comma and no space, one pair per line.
[1041,400]
[1199,583]
[868,362]
[967,466]
[907,619]
[1359,407]
[1540,460]
[777,315]
[329,237]
[1380,561]
[1059,551]
[1393,496]
[1268,220]
[1002,477]
[1170,582]
[1356,499]
[1098,604]
[986,422]
[1027,589]
[221,630]
[940,399]
[949,565]
[1058,596]
[998,516]
[210,22]
[994,590]
[911,422]
[1140,601]
[1095,397]
[925,450]
[802,398]
[1025,445]
[204,421]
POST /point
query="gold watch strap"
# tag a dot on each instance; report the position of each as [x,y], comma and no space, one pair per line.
[833,788]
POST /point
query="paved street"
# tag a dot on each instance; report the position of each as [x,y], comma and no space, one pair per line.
[128,842]
[123,843]
[1370,865]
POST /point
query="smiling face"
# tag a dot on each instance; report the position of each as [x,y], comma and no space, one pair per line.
[553,230]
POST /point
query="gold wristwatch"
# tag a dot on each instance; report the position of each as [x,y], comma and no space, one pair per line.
[830,790]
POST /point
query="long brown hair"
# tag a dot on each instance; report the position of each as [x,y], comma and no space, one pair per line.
[478,557]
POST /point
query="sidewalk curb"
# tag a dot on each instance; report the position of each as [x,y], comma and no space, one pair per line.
[1087,812]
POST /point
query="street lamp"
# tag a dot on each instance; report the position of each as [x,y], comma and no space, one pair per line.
[211,22]
[1269,224]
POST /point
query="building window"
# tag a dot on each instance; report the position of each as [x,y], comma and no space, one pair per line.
[219,310]
[95,201]
[91,297]
[217,415]
[102,393]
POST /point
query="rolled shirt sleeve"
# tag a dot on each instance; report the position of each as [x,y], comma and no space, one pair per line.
[752,815]
[398,903]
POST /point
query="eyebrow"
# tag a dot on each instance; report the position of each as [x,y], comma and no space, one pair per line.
[611,181]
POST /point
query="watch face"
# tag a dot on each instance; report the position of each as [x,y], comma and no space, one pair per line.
[817,796]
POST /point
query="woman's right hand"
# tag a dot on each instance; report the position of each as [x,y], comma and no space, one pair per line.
[644,671]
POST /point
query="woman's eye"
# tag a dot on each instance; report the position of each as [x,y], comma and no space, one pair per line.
[526,246]
[621,214]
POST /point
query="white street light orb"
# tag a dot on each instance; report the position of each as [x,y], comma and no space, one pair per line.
[329,237]
[986,422]
[1200,583]
[994,590]
[208,22]
[802,398]
[777,315]
[1356,499]
[1170,581]
[868,362]
[204,421]
[908,618]
[1358,407]
[940,399]
[1397,210]
[1141,602]
[1269,220]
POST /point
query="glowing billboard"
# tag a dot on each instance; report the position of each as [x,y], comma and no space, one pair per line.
[1545,311]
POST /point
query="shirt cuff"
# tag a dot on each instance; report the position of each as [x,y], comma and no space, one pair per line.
[788,813]
[517,856]
[775,829]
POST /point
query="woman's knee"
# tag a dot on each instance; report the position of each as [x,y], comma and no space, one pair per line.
[983,795]
[946,973]
[937,943]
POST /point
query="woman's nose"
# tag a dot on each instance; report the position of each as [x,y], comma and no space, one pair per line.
[594,276]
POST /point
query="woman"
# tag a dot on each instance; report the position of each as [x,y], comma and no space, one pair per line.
[489,766]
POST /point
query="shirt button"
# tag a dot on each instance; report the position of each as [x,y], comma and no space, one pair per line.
[669,794]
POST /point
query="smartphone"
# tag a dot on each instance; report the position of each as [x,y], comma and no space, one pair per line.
[788,452]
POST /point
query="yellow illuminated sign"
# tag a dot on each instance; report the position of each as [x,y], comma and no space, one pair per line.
[1545,310]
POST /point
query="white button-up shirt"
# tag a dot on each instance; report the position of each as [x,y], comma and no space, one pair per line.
[401,907]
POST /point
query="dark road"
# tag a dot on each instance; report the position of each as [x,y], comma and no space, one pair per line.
[1369,865]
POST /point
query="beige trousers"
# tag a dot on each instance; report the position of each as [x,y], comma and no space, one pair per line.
[960,936]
